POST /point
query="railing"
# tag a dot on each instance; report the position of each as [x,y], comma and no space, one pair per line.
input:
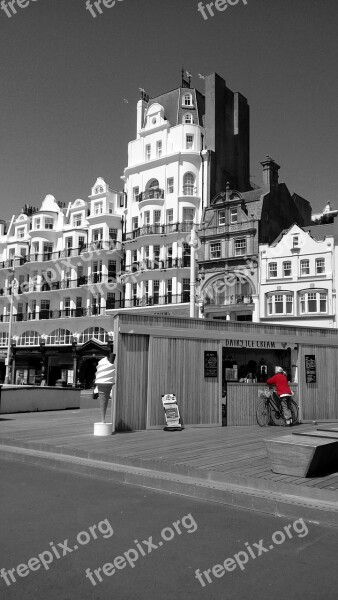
[157,300]
[147,264]
[154,193]
[66,253]
[64,284]
[221,300]
[159,230]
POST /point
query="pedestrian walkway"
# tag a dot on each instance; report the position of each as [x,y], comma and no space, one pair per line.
[227,465]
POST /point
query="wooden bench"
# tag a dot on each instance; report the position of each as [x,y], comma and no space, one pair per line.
[305,454]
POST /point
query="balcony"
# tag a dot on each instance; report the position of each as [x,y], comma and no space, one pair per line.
[157,300]
[184,227]
[162,265]
[152,194]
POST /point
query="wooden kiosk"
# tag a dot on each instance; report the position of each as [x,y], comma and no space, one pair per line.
[158,355]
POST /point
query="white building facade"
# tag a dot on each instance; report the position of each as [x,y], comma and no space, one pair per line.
[58,268]
[297,279]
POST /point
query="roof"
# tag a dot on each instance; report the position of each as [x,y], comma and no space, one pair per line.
[320,232]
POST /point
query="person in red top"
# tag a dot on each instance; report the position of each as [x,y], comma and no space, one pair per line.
[280,381]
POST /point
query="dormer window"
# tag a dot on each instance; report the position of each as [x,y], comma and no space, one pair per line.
[99,189]
[188,119]
[77,220]
[221,217]
[20,232]
[295,241]
[233,215]
[187,100]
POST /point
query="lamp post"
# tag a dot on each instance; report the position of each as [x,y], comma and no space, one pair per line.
[10,324]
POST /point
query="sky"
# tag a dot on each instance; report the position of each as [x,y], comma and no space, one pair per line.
[70,83]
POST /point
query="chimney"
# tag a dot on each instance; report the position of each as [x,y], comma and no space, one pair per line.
[270,172]
[142,106]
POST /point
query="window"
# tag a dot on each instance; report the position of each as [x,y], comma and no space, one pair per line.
[221,217]
[153,184]
[111,208]
[287,268]
[156,291]
[81,241]
[186,290]
[188,214]
[66,306]
[170,216]
[133,256]
[157,221]
[215,250]
[240,247]
[77,220]
[188,119]
[112,270]
[135,223]
[146,290]
[148,152]
[313,302]
[320,266]
[69,243]
[47,251]
[94,333]
[187,100]
[49,223]
[170,256]
[112,233]
[159,149]
[280,304]
[156,257]
[29,338]
[136,191]
[146,252]
[169,291]
[98,208]
[61,337]
[189,141]
[97,235]
[304,267]
[3,339]
[189,184]
[295,241]
[44,309]
[134,293]
[170,185]
[20,232]
[37,223]
[110,303]
[273,269]
[186,255]
[233,215]
[147,217]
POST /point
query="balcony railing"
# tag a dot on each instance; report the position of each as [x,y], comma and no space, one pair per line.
[152,194]
[66,253]
[157,300]
[147,264]
[221,300]
[184,227]
[64,284]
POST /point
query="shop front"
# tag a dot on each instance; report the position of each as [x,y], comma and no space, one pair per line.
[207,364]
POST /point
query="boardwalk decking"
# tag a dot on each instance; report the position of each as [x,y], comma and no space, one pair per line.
[235,455]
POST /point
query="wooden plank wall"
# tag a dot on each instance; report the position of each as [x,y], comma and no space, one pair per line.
[131,382]
[242,401]
[177,367]
[319,400]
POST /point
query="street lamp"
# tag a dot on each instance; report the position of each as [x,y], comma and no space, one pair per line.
[10,323]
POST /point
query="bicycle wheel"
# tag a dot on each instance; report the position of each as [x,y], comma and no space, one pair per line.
[277,417]
[294,412]
[263,413]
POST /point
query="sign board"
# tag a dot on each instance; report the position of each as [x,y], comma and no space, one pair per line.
[310,368]
[171,413]
[257,344]
[210,363]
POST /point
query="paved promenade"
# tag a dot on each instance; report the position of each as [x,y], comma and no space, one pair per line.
[226,465]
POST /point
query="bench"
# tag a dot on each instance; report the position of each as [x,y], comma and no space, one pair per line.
[305,454]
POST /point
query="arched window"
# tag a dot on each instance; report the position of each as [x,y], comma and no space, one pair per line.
[29,338]
[59,337]
[153,184]
[94,333]
[189,184]
[188,119]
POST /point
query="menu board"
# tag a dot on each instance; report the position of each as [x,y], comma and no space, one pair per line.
[210,363]
[310,368]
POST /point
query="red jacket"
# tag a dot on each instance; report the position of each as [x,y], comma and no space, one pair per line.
[281,383]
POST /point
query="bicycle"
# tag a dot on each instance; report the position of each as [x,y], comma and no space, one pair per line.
[269,410]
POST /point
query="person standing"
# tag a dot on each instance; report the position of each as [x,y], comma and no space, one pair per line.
[104,381]
[280,381]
